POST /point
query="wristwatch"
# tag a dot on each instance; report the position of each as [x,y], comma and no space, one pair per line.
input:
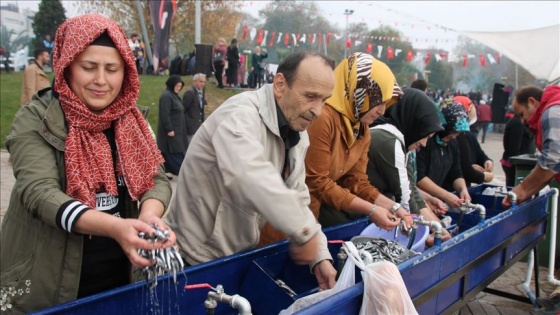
[395,207]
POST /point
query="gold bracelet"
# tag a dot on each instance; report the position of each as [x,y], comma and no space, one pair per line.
[373,209]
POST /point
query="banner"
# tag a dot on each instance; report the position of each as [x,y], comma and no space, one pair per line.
[161,12]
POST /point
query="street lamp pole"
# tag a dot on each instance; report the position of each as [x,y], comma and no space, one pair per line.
[347,12]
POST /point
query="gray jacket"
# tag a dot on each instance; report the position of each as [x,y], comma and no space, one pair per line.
[37,257]
[230,183]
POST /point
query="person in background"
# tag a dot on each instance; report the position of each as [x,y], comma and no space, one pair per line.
[517,140]
[257,66]
[48,44]
[476,166]
[233,63]
[195,103]
[339,143]
[395,137]
[484,113]
[34,78]
[172,129]
[137,50]
[541,111]
[438,164]
[5,54]
[219,60]
[88,175]
[245,167]
[420,84]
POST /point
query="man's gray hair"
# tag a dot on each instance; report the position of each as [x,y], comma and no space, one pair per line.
[199,76]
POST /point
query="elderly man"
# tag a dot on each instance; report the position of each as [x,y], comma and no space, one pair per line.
[34,78]
[194,101]
[245,168]
[541,111]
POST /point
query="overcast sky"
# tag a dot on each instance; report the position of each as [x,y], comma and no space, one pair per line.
[426,23]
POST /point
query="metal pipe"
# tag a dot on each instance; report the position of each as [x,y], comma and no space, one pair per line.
[341,256]
[236,301]
[437,229]
[526,285]
[197,14]
[513,198]
[144,31]
[552,251]
[481,212]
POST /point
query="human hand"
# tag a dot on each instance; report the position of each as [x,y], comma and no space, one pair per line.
[125,232]
[478,168]
[305,253]
[521,195]
[384,219]
[157,221]
[403,215]
[171,134]
[452,200]
[437,206]
[489,166]
[488,177]
[325,274]
[465,195]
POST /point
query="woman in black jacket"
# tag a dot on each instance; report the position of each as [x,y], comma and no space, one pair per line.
[232,57]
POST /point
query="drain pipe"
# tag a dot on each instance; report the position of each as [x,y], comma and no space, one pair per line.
[527,284]
[236,301]
[436,226]
[552,251]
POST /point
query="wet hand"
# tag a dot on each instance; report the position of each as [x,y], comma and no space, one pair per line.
[325,274]
[384,219]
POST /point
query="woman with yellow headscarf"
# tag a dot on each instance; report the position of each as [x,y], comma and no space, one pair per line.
[336,160]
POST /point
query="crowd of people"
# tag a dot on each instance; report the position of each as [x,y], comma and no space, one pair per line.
[317,147]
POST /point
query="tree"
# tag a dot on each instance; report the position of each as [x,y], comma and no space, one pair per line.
[47,20]
[440,75]
[301,18]
[219,18]
[12,41]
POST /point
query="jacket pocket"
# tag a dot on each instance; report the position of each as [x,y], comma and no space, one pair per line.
[16,285]
[235,230]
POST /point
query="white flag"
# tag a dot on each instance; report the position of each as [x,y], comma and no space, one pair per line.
[379,51]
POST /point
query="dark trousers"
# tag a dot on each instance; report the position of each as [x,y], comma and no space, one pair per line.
[219,71]
[510,175]
[257,79]
[484,126]
[173,162]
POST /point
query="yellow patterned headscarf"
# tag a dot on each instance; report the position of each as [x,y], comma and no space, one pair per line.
[361,83]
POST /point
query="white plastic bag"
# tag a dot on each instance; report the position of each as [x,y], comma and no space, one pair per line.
[384,288]
[347,279]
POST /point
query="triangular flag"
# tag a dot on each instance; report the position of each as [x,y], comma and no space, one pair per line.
[303,38]
[390,53]
[264,37]
[470,56]
[357,43]
[294,38]
[482,60]
[409,55]
[427,60]
[286,39]
[397,52]
[369,48]
[379,50]
[271,43]
[245,30]
[329,35]
[337,37]
[320,38]
[314,38]
[279,37]
[498,58]
[438,57]
[464,61]
[349,42]
[491,59]
[252,33]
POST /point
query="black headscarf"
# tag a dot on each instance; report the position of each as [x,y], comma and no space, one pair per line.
[172,81]
[415,115]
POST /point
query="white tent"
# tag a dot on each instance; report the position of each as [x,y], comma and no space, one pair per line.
[538,50]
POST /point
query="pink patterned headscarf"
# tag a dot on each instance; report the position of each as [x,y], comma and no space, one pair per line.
[89,163]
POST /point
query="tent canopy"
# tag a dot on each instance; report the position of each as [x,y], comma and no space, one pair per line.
[538,50]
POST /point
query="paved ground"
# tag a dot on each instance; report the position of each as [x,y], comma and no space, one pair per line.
[484,303]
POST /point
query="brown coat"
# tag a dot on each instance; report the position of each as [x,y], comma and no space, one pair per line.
[34,79]
[336,174]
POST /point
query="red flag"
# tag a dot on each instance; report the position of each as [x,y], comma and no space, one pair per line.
[286,39]
[464,61]
[298,36]
[260,37]
[369,48]
[498,58]
[482,60]
[427,60]
[409,56]
[443,56]
[245,30]
[320,38]
[390,53]
[329,35]
[271,42]
[349,43]
[310,38]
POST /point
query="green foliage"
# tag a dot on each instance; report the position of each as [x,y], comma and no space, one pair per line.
[12,41]
[440,75]
[151,88]
[47,20]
